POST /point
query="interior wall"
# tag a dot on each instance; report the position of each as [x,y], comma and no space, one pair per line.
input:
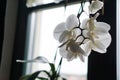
[9,32]
[2,19]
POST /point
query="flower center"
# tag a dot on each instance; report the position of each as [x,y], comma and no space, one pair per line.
[72,46]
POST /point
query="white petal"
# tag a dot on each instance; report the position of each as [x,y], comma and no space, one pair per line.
[66,35]
[63,52]
[87,47]
[80,39]
[77,31]
[101,28]
[81,51]
[60,28]
[84,24]
[71,22]
[105,39]
[82,58]
[99,47]
[95,6]
[70,56]
[66,53]
[85,33]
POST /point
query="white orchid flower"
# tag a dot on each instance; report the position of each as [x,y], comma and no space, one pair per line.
[95,6]
[98,35]
[72,50]
[64,31]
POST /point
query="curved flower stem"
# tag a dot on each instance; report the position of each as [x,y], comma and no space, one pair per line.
[81,8]
[84,38]
[55,55]
[76,28]
[65,4]
[59,66]
[64,43]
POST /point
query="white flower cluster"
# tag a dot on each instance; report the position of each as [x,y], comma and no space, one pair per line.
[78,40]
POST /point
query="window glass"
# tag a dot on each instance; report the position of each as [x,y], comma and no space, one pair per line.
[45,45]
[31,3]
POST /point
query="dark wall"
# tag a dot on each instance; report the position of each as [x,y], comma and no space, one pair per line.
[2,18]
[20,38]
[103,66]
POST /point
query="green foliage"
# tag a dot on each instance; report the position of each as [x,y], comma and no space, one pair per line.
[52,74]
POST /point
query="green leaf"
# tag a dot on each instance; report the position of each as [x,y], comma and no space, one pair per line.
[39,59]
[35,75]
[24,77]
[52,66]
[42,78]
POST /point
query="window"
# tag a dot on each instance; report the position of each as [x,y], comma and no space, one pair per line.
[100,67]
[42,43]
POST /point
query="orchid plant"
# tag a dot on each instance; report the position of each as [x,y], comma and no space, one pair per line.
[77,39]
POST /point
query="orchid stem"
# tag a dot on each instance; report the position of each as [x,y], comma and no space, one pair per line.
[81,9]
[55,56]
[59,66]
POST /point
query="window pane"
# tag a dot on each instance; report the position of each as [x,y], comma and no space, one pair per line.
[45,44]
[31,3]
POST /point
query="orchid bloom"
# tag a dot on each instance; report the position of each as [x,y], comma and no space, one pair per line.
[72,50]
[64,31]
[97,34]
[66,34]
[95,6]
